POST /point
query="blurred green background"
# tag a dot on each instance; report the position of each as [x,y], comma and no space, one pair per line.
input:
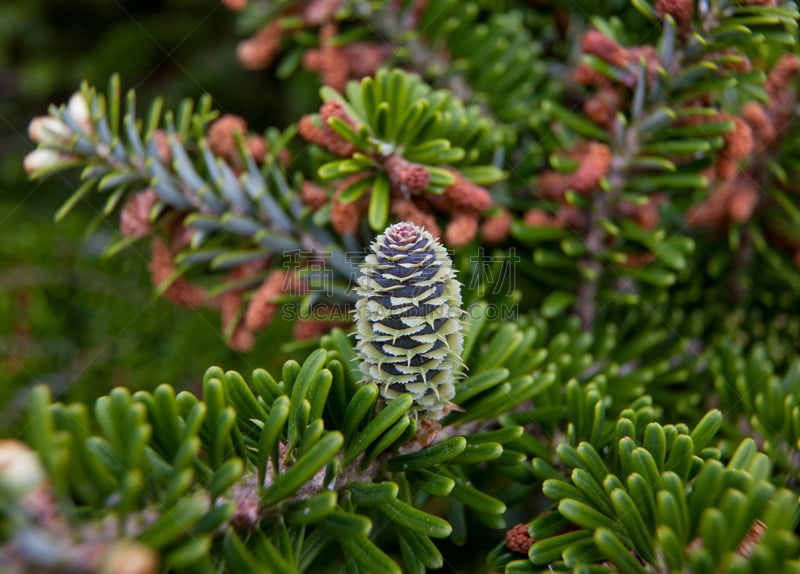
[68,318]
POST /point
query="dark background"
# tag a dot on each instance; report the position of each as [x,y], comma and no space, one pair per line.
[69,318]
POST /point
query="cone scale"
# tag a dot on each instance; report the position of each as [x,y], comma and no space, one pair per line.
[408,319]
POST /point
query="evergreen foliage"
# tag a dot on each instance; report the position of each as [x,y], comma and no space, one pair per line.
[617,188]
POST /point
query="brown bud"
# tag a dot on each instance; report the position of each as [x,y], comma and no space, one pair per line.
[318,12]
[333,63]
[467,196]
[258,52]
[602,108]
[163,151]
[570,216]
[333,109]
[221,136]
[651,59]
[407,210]
[783,98]
[705,214]
[308,329]
[366,58]
[760,123]
[680,10]
[600,45]
[180,291]
[261,308]
[781,74]
[645,215]
[540,218]
[496,227]
[257,146]
[309,129]
[585,75]
[743,200]
[284,156]
[461,229]
[345,217]
[181,236]
[313,195]
[440,203]
[732,202]
[726,167]
[235,5]
[735,61]
[241,339]
[739,141]
[324,136]
[713,212]
[595,161]
[518,539]
[312,60]
[553,185]
[239,336]
[134,219]
[334,69]
[230,304]
[322,318]
[406,177]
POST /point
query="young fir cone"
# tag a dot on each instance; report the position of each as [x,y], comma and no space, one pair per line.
[408,319]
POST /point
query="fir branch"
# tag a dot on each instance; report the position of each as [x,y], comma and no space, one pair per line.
[592,266]
[217,192]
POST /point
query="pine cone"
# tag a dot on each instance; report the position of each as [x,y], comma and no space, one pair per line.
[408,319]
